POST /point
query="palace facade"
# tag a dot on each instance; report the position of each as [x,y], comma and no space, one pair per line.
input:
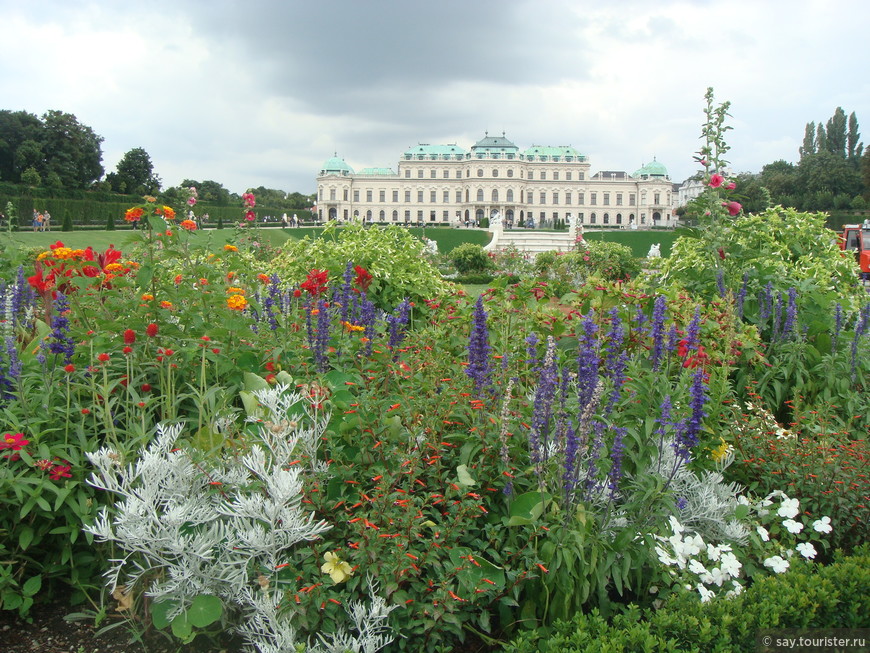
[540,186]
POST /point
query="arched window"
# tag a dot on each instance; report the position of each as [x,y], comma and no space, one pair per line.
[479,194]
[494,172]
[382,216]
[480,172]
[619,218]
[510,194]
[592,219]
[606,218]
[495,195]
[395,216]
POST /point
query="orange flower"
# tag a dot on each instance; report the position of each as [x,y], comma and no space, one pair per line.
[237,302]
[134,214]
[188,225]
[231,248]
[263,277]
[233,290]
[166,212]
[147,297]
[165,304]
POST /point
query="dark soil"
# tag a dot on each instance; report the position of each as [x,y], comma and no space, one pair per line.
[47,630]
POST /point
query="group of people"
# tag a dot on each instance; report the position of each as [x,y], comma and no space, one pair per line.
[41,221]
[292,221]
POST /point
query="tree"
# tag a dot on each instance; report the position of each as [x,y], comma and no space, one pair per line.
[16,127]
[835,131]
[754,197]
[825,172]
[781,179]
[809,144]
[31,177]
[72,150]
[853,147]
[209,191]
[136,172]
[821,139]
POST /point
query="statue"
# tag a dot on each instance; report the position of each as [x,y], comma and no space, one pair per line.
[495,220]
[655,251]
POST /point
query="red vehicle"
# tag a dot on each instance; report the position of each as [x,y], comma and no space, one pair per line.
[856,238]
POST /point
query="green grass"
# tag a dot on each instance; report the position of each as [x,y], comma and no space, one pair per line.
[639,241]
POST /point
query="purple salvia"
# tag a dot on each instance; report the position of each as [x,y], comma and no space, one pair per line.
[594,456]
[693,331]
[741,296]
[396,323]
[765,304]
[673,339]
[687,438]
[532,350]
[366,318]
[59,340]
[838,327]
[657,331]
[616,452]
[569,477]
[587,360]
[789,327]
[777,318]
[640,320]
[346,292]
[720,282]
[478,368]
[615,359]
[860,331]
[542,412]
[14,360]
[309,327]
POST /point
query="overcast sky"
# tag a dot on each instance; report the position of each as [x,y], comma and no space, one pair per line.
[262,93]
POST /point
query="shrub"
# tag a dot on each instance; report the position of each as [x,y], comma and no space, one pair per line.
[808,596]
[469,257]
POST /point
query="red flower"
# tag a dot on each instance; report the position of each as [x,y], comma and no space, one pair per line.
[716,180]
[721,253]
[297,293]
[129,337]
[731,186]
[69,369]
[103,358]
[14,442]
[250,216]
[86,411]
[127,350]
[151,330]
[146,387]
[733,207]
[59,471]
[315,283]
[363,277]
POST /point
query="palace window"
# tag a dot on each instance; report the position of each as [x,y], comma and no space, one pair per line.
[631,199]
[555,197]
[479,194]
[593,198]
[407,197]
[555,175]
[619,199]
[356,196]
[480,172]
[568,176]
[433,173]
[420,173]
[395,196]
[543,197]
[543,174]
[567,197]
[407,173]
[344,194]
[495,173]
[510,172]
[510,194]
[446,196]
[432,199]
[419,197]
[606,199]
[332,193]
[494,195]
[458,196]
[395,216]
[382,196]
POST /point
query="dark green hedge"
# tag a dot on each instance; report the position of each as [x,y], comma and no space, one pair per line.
[808,596]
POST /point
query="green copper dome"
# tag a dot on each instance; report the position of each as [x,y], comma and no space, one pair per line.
[336,166]
[653,169]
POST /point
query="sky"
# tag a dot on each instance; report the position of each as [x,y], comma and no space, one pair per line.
[261,93]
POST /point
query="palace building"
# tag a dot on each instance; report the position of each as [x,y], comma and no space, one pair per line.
[540,186]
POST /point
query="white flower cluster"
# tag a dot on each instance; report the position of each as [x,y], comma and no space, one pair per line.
[206,525]
[707,566]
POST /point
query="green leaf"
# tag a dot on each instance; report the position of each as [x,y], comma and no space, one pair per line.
[31,586]
[255,382]
[464,477]
[25,537]
[205,610]
[529,506]
[160,612]
[181,628]
[741,511]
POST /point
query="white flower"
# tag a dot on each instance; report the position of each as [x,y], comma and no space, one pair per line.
[696,567]
[730,564]
[715,552]
[789,508]
[743,501]
[692,545]
[822,525]
[738,589]
[793,526]
[762,533]
[777,564]
[718,576]
[676,527]
[806,549]
[706,594]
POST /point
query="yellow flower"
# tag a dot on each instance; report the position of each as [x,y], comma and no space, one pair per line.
[237,302]
[63,253]
[234,290]
[337,568]
[353,327]
[113,267]
[721,452]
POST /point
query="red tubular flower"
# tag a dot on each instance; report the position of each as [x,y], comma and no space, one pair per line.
[363,277]
[315,283]
[129,337]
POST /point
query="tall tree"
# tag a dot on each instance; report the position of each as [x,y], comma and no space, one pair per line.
[72,150]
[135,173]
[16,127]
[853,147]
[809,144]
[835,130]
[821,139]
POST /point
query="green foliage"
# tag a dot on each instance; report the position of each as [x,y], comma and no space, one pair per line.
[391,255]
[603,259]
[807,596]
[470,258]
[31,177]
[67,224]
[781,247]
[110,223]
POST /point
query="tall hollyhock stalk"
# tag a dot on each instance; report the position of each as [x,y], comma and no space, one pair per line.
[479,369]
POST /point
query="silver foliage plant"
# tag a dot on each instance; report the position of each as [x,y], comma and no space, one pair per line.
[190,528]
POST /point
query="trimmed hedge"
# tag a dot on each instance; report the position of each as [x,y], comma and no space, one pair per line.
[808,596]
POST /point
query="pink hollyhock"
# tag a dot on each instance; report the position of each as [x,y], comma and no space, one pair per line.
[716,180]
[733,207]
[249,216]
[731,185]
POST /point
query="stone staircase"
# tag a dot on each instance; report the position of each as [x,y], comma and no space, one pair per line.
[532,241]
